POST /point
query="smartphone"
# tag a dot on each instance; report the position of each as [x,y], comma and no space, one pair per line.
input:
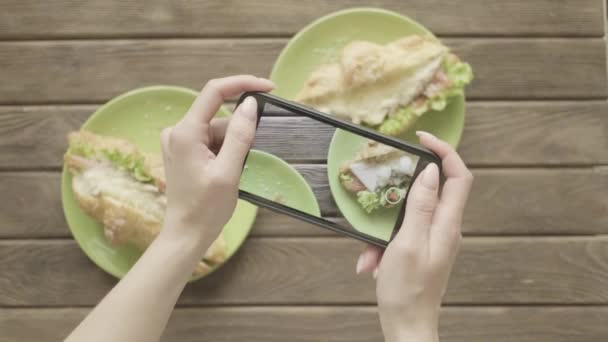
[360,178]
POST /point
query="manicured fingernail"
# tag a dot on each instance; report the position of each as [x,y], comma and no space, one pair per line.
[360,263]
[248,108]
[430,177]
[375,273]
[267,81]
[421,134]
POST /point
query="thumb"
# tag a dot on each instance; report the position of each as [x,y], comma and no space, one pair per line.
[420,208]
[238,139]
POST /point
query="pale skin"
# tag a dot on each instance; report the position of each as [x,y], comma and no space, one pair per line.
[413,271]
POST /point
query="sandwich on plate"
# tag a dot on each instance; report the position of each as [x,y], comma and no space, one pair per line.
[123,189]
[379,176]
[387,87]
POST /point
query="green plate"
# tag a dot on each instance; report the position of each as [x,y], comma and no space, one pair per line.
[139,116]
[269,176]
[319,43]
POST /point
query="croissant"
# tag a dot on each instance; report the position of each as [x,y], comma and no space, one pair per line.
[387,87]
[123,189]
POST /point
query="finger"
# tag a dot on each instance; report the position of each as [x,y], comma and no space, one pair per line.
[419,209]
[238,139]
[459,179]
[216,91]
[369,259]
[164,144]
[218,132]
[448,216]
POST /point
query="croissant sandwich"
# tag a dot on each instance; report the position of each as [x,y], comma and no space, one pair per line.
[379,176]
[387,87]
[123,189]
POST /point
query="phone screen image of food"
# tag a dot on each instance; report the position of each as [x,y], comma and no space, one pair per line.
[358,183]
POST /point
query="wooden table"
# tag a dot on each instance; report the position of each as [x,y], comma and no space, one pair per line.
[534,265]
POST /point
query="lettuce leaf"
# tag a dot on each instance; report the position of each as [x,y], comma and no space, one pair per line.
[83,150]
[403,118]
[134,164]
[345,177]
[459,73]
[369,200]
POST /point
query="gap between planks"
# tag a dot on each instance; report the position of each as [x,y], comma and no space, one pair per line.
[270,37]
[257,306]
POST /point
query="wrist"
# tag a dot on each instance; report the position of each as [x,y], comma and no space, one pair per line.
[191,234]
[418,328]
[184,241]
[413,334]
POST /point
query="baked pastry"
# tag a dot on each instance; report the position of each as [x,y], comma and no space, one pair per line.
[387,87]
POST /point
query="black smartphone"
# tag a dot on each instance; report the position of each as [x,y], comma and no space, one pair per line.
[359,178]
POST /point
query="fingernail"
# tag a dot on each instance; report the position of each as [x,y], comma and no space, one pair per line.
[421,134]
[430,177]
[249,108]
[375,275]
[267,81]
[360,263]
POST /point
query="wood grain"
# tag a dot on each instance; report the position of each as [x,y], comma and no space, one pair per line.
[32,205]
[37,136]
[540,133]
[93,71]
[535,133]
[503,202]
[340,324]
[319,271]
[271,224]
[33,19]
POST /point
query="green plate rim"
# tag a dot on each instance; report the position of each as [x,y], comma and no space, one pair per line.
[309,191]
[331,15]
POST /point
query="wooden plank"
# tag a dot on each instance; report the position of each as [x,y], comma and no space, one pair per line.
[519,68]
[512,202]
[271,224]
[558,201]
[93,71]
[356,323]
[37,136]
[319,271]
[540,133]
[31,205]
[32,19]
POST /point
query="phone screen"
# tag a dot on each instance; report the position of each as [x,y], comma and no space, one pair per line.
[357,184]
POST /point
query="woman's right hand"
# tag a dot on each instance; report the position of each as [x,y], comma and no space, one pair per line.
[414,269]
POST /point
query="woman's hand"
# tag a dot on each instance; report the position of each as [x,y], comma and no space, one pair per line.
[414,269]
[202,188]
[203,159]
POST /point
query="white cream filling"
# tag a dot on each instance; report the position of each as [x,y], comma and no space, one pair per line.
[118,185]
[375,175]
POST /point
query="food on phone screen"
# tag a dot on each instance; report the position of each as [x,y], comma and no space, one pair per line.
[387,87]
[123,189]
[379,176]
